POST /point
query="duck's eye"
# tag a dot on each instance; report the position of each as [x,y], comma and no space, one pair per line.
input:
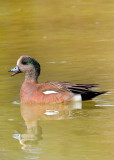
[24,63]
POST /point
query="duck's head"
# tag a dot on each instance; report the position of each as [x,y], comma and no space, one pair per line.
[29,66]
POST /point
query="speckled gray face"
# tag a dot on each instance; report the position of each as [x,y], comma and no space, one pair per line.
[26,60]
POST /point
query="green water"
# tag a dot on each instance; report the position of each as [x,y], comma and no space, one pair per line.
[73,41]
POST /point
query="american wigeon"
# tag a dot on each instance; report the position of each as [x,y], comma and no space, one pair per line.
[49,92]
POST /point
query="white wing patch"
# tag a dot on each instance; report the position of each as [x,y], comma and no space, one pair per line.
[77,97]
[49,92]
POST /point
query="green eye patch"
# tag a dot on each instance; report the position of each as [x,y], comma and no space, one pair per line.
[29,63]
[28,60]
[34,63]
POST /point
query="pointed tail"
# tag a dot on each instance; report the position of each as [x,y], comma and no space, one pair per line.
[91,94]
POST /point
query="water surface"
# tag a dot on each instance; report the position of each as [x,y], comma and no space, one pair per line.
[73,41]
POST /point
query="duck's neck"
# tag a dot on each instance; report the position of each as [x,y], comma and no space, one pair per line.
[31,76]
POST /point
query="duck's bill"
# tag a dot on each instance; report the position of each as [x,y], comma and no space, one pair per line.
[16,70]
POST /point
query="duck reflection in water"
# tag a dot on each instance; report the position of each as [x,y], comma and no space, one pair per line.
[33,113]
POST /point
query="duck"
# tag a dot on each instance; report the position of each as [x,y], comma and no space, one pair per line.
[49,92]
